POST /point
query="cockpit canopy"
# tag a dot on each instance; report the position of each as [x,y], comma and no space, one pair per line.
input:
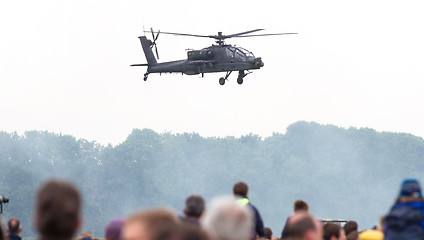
[239,52]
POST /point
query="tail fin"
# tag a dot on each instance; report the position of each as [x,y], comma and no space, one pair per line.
[145,43]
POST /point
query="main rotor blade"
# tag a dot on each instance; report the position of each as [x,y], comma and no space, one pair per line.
[243,33]
[269,34]
[184,34]
[156,49]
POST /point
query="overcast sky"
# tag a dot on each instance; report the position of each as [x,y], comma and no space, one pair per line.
[64,67]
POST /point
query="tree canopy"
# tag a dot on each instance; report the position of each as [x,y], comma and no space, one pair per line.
[342,173]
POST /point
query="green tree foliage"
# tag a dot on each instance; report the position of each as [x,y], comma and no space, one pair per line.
[342,173]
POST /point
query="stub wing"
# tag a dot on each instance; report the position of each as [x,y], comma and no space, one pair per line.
[139,64]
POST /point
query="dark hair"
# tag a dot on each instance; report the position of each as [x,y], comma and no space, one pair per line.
[268,233]
[241,189]
[13,226]
[331,229]
[300,205]
[350,226]
[194,206]
[300,227]
[58,206]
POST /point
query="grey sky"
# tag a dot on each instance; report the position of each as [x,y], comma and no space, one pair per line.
[64,67]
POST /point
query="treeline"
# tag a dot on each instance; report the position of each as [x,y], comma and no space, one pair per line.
[342,173]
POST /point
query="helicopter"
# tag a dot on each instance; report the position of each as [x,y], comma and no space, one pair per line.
[219,57]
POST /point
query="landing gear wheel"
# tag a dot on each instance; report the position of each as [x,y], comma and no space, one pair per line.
[222,81]
[240,80]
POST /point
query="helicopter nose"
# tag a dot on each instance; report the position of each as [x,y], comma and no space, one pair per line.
[258,62]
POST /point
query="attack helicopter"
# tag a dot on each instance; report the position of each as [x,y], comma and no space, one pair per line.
[219,57]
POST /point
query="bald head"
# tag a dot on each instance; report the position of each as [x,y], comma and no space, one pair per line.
[144,225]
[302,226]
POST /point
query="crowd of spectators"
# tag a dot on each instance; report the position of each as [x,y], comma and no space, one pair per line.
[58,217]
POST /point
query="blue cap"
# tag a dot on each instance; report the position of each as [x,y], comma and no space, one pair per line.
[410,188]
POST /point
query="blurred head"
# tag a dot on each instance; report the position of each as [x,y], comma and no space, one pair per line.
[145,224]
[226,219]
[194,206]
[14,226]
[410,188]
[302,226]
[183,231]
[113,229]
[240,189]
[300,205]
[57,211]
[268,233]
[350,226]
[331,231]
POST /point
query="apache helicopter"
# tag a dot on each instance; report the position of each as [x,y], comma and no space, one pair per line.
[216,58]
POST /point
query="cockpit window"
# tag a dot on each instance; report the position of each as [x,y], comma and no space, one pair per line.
[239,53]
[230,52]
[245,52]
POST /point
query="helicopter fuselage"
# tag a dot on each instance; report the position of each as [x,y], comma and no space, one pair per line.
[217,58]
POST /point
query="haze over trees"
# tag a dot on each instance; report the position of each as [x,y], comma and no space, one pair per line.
[342,173]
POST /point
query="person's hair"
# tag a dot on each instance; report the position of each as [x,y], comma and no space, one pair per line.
[194,206]
[240,189]
[57,210]
[350,226]
[268,233]
[13,225]
[352,235]
[297,229]
[153,219]
[300,205]
[331,229]
[227,219]
[183,231]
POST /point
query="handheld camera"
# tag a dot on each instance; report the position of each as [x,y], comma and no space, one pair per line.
[3,199]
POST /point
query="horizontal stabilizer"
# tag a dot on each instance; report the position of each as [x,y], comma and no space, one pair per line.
[141,64]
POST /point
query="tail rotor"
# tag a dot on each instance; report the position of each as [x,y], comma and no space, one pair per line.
[154,41]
